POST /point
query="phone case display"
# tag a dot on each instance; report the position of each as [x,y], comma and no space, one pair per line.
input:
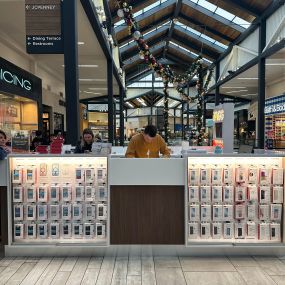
[237,200]
[54,201]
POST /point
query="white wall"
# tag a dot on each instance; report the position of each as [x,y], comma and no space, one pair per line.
[275,89]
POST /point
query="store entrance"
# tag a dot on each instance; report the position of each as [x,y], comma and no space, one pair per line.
[47,112]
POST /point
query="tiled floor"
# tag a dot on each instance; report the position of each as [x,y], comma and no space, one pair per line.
[143,270]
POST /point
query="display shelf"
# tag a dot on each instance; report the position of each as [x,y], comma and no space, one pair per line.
[234,200]
[58,200]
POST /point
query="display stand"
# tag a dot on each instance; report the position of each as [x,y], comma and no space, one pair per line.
[55,201]
[223,135]
[235,200]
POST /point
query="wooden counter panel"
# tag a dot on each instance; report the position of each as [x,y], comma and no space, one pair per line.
[3,216]
[147,215]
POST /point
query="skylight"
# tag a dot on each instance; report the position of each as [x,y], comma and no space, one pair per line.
[213,41]
[222,12]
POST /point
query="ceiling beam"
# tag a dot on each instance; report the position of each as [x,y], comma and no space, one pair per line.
[204,27]
[174,58]
[150,43]
[146,38]
[197,49]
[147,14]
[200,39]
[244,7]
[215,17]
[145,29]
[171,28]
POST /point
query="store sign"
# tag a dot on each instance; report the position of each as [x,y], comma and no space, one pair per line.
[11,78]
[43,27]
[218,115]
[275,105]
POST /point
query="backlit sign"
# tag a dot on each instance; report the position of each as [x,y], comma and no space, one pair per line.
[218,115]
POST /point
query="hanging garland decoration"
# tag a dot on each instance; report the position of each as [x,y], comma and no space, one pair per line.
[165,72]
[166,112]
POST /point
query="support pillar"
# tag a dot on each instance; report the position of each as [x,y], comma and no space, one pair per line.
[110,101]
[122,125]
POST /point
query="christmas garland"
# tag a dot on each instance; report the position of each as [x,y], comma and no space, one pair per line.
[165,72]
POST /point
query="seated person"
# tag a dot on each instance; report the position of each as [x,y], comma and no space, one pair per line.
[147,145]
[4,149]
[86,143]
[38,140]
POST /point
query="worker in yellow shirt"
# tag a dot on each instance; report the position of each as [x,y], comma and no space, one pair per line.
[147,145]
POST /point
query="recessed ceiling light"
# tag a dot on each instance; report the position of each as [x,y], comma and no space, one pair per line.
[81,43]
[237,91]
[234,87]
[89,92]
[275,64]
[246,78]
[88,65]
[98,88]
[87,79]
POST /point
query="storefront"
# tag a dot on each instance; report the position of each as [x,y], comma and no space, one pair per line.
[20,99]
[275,122]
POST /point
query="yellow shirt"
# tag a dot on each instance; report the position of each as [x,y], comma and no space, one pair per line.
[139,148]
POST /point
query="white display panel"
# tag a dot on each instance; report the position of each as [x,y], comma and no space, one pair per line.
[58,199]
[234,199]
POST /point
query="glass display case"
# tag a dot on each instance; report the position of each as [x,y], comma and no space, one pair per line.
[234,199]
[58,200]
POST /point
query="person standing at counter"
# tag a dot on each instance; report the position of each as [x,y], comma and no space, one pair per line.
[86,143]
[4,149]
[148,144]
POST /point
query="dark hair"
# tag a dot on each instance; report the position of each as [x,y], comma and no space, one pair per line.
[38,133]
[150,130]
[3,134]
[88,132]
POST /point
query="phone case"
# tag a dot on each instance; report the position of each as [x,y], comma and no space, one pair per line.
[89,193]
[277,176]
[217,213]
[66,231]
[253,175]
[241,175]
[275,232]
[89,212]
[252,212]
[18,212]
[66,212]
[194,230]
[30,175]
[43,193]
[31,194]
[54,230]
[205,176]
[42,231]
[217,230]
[228,213]
[78,194]
[240,230]
[43,170]
[205,194]
[205,230]
[252,232]
[252,193]
[79,175]
[217,194]
[277,194]
[17,175]
[54,212]
[228,194]
[101,175]
[264,231]
[100,230]
[265,176]
[194,176]
[31,212]
[240,211]
[18,231]
[206,215]
[101,212]
[55,170]
[17,194]
[66,193]
[264,212]
[194,194]
[42,212]
[54,193]
[77,211]
[228,230]
[31,231]
[217,176]
[240,194]
[89,175]
[194,213]
[88,230]
[276,212]
[77,230]
[229,177]
[264,195]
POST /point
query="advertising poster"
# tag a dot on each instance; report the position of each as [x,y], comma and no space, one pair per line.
[20,141]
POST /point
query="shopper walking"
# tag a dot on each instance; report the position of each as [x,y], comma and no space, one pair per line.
[147,144]
[4,149]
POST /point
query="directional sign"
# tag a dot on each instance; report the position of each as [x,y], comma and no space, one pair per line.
[43,27]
